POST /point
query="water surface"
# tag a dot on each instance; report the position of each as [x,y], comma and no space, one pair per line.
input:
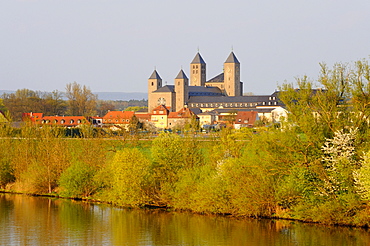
[26,220]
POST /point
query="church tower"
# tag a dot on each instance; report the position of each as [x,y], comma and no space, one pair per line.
[154,83]
[197,71]
[232,76]
[181,90]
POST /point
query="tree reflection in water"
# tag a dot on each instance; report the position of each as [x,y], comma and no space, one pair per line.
[29,220]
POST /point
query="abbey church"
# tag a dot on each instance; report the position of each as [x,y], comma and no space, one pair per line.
[222,92]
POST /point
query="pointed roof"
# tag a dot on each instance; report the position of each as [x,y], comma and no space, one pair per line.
[161,109]
[198,59]
[166,88]
[232,58]
[218,78]
[181,75]
[155,75]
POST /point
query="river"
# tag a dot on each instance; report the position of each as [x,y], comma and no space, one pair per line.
[27,220]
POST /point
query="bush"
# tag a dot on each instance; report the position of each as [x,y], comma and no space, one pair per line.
[131,180]
[78,180]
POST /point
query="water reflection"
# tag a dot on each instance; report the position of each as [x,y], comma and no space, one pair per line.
[42,221]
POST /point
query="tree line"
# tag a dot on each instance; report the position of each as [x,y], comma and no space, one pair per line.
[77,100]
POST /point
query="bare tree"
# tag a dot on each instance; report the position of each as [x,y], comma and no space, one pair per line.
[81,101]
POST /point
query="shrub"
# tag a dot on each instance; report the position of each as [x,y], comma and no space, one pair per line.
[131,181]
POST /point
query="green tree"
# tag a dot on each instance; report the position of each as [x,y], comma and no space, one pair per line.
[135,108]
[131,184]
[78,180]
[362,178]
[171,157]
[6,167]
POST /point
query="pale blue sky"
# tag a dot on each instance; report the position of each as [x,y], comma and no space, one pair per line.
[115,45]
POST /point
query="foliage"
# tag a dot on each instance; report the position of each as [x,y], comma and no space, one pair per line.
[78,180]
[170,155]
[339,163]
[6,167]
[131,184]
[362,178]
[25,100]
[81,101]
[135,108]
[44,156]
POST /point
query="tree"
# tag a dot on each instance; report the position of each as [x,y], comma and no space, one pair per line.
[2,106]
[104,107]
[131,178]
[134,125]
[25,100]
[135,108]
[53,103]
[81,101]
[22,101]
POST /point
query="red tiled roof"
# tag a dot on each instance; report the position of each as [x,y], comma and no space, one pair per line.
[246,117]
[161,110]
[119,114]
[34,117]
[182,113]
[118,117]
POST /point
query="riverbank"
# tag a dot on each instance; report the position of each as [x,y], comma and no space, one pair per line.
[271,174]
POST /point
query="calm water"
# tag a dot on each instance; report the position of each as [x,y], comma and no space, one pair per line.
[28,220]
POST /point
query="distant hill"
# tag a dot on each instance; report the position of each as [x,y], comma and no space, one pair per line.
[122,96]
[114,96]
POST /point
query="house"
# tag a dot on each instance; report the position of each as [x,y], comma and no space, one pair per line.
[96,121]
[159,116]
[207,118]
[245,119]
[181,118]
[118,119]
[65,121]
[33,117]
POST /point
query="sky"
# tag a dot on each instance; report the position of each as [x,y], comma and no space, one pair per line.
[114,45]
